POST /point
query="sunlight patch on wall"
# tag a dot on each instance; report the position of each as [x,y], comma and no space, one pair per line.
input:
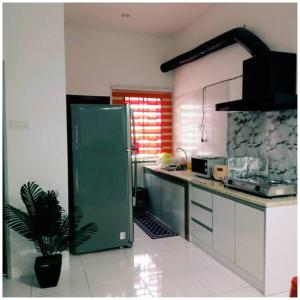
[201,130]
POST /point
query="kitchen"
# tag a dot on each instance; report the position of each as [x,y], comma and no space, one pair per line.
[95,63]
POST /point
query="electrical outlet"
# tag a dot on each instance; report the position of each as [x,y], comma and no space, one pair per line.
[18,124]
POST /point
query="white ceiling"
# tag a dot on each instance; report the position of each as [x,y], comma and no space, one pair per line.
[164,19]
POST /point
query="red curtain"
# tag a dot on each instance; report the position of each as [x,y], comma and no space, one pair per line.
[152,113]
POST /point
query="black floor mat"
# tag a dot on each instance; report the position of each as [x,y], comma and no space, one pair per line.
[153,227]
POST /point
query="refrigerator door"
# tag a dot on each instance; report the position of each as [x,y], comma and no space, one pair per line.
[101,162]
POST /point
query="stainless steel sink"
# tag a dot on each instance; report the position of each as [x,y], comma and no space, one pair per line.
[177,168]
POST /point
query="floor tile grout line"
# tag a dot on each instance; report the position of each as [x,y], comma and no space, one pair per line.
[31,286]
[146,287]
[160,264]
[85,276]
[141,279]
[274,294]
[239,289]
[205,287]
[200,281]
[120,282]
[136,275]
[109,283]
[123,251]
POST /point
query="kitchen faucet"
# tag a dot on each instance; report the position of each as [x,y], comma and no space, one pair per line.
[186,159]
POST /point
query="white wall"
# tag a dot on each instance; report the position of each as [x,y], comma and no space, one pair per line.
[187,108]
[98,59]
[35,100]
[275,24]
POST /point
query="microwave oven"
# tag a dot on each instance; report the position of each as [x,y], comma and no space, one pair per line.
[203,165]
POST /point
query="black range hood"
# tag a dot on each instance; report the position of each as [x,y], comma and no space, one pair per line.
[269,83]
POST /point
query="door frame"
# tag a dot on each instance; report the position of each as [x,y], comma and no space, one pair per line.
[6,255]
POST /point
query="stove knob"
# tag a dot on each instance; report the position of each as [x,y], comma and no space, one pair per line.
[257,188]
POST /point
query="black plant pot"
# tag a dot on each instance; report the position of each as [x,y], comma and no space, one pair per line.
[47,270]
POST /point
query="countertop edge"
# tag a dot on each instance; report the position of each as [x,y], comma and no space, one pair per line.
[219,188]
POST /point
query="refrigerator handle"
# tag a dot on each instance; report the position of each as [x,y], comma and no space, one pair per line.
[133,149]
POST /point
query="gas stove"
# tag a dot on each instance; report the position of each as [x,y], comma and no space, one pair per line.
[261,186]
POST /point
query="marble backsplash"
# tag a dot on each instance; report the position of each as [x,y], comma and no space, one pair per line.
[271,135]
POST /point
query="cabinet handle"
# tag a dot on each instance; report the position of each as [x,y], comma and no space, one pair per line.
[201,224]
[202,206]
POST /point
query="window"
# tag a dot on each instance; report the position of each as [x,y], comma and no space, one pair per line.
[152,114]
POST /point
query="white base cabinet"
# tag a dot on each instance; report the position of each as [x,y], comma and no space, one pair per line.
[280,248]
[250,240]
[224,226]
[201,217]
[259,244]
[198,232]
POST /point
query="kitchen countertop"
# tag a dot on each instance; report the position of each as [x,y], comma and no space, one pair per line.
[217,186]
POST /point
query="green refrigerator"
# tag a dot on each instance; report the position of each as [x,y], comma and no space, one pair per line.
[101,173]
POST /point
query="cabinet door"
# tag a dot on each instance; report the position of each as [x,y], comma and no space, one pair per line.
[166,203]
[201,233]
[155,199]
[147,181]
[250,240]
[201,214]
[148,184]
[223,227]
[201,197]
[178,200]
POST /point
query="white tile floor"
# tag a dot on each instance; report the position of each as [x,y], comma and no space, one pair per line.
[170,267]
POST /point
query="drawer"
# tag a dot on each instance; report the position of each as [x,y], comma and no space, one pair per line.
[202,215]
[201,233]
[202,197]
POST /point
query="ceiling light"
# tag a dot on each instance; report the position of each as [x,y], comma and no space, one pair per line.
[125,15]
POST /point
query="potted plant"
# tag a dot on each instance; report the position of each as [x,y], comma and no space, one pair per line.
[48,226]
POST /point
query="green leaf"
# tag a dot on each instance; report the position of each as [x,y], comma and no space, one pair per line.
[64,243]
[48,242]
[47,223]
[84,233]
[18,221]
[63,225]
[78,215]
[30,191]
[48,213]
[38,247]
